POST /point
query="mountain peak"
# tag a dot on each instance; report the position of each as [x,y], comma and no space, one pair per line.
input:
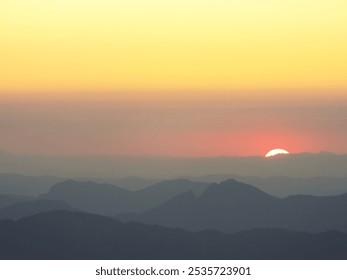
[233,189]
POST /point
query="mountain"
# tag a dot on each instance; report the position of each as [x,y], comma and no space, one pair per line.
[24,209]
[283,186]
[73,235]
[232,206]
[108,199]
[133,183]
[16,184]
[8,199]
[130,183]
[165,190]
[91,197]
[295,165]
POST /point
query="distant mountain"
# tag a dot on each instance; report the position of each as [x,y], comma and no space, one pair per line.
[91,197]
[130,183]
[29,208]
[165,190]
[284,186]
[233,206]
[26,185]
[8,199]
[108,199]
[69,235]
[17,184]
[295,165]
[133,183]
[281,186]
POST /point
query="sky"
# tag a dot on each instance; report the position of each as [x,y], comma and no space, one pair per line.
[176,129]
[172,78]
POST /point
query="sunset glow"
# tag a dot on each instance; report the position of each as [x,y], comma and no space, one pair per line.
[276,152]
[172,78]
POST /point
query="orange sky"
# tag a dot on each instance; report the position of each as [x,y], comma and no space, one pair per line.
[169,129]
[173,77]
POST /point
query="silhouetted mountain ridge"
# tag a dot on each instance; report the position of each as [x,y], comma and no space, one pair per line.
[91,197]
[108,199]
[72,235]
[23,209]
[283,186]
[233,206]
[232,190]
[8,199]
[17,184]
[295,165]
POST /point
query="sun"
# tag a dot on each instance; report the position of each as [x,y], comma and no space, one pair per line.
[275,152]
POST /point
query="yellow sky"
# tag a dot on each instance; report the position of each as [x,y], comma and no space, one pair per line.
[63,46]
